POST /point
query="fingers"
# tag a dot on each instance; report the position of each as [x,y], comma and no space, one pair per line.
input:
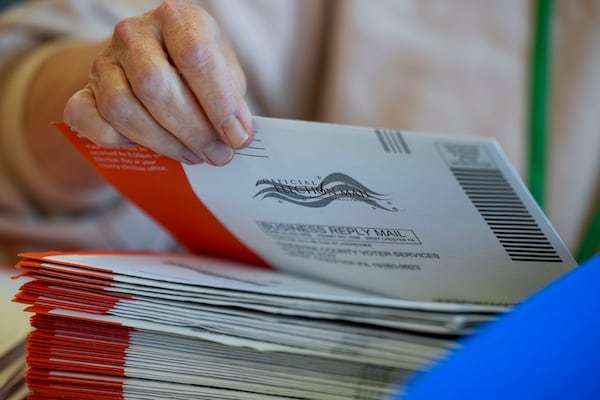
[195,46]
[164,94]
[170,82]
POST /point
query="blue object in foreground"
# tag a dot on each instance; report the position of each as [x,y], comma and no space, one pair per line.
[548,347]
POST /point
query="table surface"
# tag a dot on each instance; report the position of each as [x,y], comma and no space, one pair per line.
[14,322]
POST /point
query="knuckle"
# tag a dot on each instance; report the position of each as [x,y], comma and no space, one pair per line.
[79,114]
[149,84]
[194,32]
[182,10]
[169,9]
[100,65]
[114,106]
[97,66]
[124,32]
[196,54]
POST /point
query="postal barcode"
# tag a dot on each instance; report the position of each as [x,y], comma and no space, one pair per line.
[505,214]
[392,141]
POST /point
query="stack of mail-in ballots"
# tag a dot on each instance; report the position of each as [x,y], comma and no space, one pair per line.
[379,250]
[144,326]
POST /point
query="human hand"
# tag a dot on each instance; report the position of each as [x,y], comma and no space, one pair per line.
[168,80]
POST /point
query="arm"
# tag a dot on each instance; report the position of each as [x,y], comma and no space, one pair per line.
[46,51]
[69,170]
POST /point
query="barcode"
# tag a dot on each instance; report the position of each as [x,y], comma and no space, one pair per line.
[392,141]
[505,214]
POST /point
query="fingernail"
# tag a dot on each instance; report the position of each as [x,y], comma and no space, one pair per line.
[189,157]
[234,132]
[219,153]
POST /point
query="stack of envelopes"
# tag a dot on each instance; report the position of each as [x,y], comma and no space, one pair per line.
[145,326]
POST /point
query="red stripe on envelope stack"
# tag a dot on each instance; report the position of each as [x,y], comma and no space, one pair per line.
[69,357]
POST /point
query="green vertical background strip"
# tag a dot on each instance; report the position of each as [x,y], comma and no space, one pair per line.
[540,80]
[539,125]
